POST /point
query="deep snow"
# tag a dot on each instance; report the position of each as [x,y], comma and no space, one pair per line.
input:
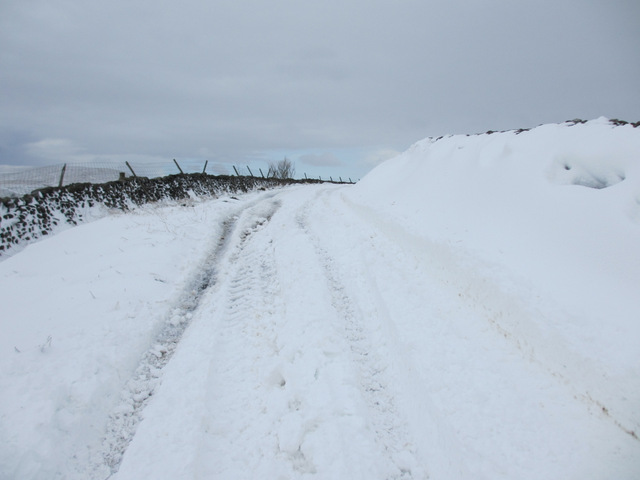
[469,310]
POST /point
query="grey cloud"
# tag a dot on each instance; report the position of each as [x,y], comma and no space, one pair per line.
[378,156]
[321,159]
[240,78]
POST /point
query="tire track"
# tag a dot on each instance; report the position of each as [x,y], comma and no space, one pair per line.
[138,391]
[243,381]
[390,428]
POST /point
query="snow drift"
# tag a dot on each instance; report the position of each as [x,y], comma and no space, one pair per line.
[558,207]
[552,213]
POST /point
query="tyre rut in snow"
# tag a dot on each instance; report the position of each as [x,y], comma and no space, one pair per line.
[387,422]
[123,422]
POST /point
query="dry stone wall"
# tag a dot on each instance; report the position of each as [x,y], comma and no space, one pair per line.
[25,219]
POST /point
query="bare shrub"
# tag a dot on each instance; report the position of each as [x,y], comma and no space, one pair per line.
[282,169]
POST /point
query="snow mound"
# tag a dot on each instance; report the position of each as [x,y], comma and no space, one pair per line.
[521,187]
[550,216]
[518,199]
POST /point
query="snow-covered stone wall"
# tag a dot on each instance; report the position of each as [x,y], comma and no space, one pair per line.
[25,219]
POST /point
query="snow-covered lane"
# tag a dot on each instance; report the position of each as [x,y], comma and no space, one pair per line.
[266,383]
[339,345]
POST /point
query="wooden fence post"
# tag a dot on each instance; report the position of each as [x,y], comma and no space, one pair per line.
[132,172]
[261,172]
[250,172]
[236,170]
[64,168]
[205,166]
[177,165]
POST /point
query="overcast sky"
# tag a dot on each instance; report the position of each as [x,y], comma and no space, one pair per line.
[335,86]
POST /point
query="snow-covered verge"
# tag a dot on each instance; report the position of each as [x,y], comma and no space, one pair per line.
[50,210]
[467,311]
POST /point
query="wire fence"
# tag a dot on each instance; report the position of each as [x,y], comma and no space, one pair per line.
[18,181]
[21,181]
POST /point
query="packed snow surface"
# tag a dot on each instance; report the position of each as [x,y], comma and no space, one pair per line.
[469,310]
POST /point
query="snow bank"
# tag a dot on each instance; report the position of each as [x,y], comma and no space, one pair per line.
[559,204]
[550,217]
